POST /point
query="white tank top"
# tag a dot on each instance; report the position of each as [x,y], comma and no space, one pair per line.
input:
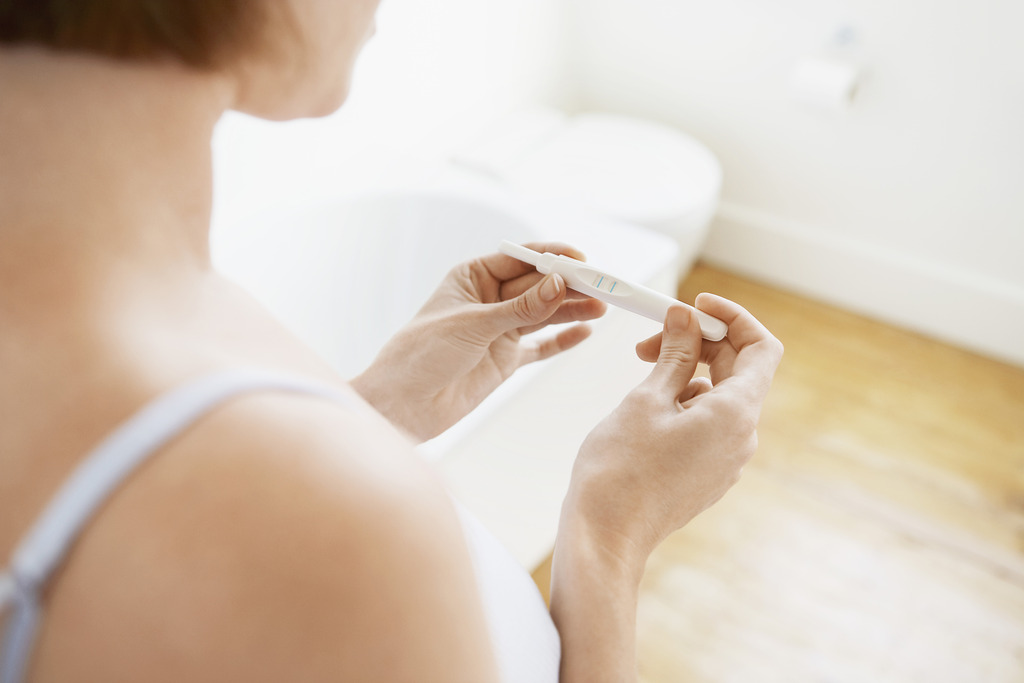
[524,638]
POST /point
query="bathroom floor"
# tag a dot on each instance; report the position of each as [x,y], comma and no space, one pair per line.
[878,534]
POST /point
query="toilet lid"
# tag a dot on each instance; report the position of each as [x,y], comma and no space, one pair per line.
[633,170]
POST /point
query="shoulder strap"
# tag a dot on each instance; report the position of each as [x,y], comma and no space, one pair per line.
[98,475]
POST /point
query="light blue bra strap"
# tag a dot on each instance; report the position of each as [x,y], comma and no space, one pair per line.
[98,475]
[20,632]
[7,591]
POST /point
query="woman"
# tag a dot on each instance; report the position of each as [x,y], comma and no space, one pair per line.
[219,523]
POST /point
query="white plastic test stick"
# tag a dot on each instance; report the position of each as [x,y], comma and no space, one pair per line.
[599,284]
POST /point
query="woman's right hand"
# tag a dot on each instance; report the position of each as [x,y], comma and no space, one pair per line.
[676,444]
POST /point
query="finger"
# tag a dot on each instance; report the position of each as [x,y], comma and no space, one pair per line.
[649,349]
[697,387]
[563,341]
[680,351]
[744,328]
[529,309]
[509,289]
[750,353]
[502,267]
[571,312]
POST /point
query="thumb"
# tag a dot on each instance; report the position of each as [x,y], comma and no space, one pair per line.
[680,350]
[532,307]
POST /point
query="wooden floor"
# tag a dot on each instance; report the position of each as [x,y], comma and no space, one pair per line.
[877,536]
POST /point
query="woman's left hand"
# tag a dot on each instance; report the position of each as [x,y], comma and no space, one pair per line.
[468,338]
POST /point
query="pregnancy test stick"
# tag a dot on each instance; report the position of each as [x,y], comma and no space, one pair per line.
[599,284]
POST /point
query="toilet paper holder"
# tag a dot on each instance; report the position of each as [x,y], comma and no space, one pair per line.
[830,79]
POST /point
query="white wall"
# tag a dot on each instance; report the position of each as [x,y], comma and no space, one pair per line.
[909,206]
[431,77]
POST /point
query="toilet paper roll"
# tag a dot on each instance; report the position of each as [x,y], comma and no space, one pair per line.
[824,83]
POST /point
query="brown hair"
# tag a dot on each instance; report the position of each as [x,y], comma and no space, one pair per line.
[201,33]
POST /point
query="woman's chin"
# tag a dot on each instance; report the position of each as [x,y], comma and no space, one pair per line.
[308,106]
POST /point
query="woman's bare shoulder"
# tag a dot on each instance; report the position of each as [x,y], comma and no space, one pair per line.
[282,537]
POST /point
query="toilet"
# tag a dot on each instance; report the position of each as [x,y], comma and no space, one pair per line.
[625,168]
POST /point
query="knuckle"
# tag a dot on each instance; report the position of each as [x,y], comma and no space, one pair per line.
[468,271]
[677,355]
[740,419]
[525,308]
[737,413]
[746,423]
[645,397]
[736,476]
[749,448]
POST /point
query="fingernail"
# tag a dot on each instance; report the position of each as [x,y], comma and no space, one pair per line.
[550,290]
[678,319]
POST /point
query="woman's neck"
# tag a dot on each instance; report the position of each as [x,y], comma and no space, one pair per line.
[105,170]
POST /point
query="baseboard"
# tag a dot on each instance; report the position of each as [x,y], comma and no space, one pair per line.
[962,308]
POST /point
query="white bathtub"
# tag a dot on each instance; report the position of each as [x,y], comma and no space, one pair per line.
[346,274]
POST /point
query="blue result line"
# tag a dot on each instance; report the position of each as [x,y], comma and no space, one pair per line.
[613,287]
